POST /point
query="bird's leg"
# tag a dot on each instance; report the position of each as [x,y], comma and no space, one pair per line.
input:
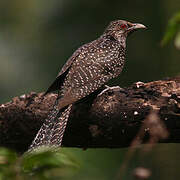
[113,88]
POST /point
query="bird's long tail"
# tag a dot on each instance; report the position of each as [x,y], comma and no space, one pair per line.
[52,131]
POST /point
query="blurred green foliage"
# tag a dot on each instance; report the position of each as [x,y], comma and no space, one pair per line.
[44,164]
[162,160]
[173,30]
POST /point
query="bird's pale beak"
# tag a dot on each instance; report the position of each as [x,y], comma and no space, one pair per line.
[139,26]
[136,26]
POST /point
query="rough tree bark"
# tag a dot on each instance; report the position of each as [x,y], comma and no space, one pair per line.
[111,119]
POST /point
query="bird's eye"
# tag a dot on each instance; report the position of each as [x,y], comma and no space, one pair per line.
[123,26]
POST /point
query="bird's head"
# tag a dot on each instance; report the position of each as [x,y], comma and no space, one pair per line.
[120,29]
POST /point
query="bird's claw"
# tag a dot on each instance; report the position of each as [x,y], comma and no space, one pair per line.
[114,88]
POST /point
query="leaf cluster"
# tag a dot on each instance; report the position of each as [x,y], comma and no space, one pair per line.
[173,31]
[42,164]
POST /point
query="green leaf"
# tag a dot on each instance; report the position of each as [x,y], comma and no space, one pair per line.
[7,156]
[177,41]
[172,29]
[40,162]
[8,167]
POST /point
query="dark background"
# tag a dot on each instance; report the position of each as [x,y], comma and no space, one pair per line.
[38,36]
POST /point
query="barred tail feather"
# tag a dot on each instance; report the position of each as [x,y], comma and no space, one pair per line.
[59,127]
[52,130]
[42,137]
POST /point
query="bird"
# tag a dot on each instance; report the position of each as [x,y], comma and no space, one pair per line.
[89,68]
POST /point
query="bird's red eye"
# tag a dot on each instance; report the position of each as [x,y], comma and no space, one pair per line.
[123,26]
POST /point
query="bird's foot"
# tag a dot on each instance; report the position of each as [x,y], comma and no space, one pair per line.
[113,88]
[139,84]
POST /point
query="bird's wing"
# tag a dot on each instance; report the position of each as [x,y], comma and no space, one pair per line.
[78,58]
[84,77]
[58,82]
[56,85]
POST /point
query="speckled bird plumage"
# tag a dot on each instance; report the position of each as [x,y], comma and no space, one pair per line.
[90,67]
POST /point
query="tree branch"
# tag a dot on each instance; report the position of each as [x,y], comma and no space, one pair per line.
[111,119]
